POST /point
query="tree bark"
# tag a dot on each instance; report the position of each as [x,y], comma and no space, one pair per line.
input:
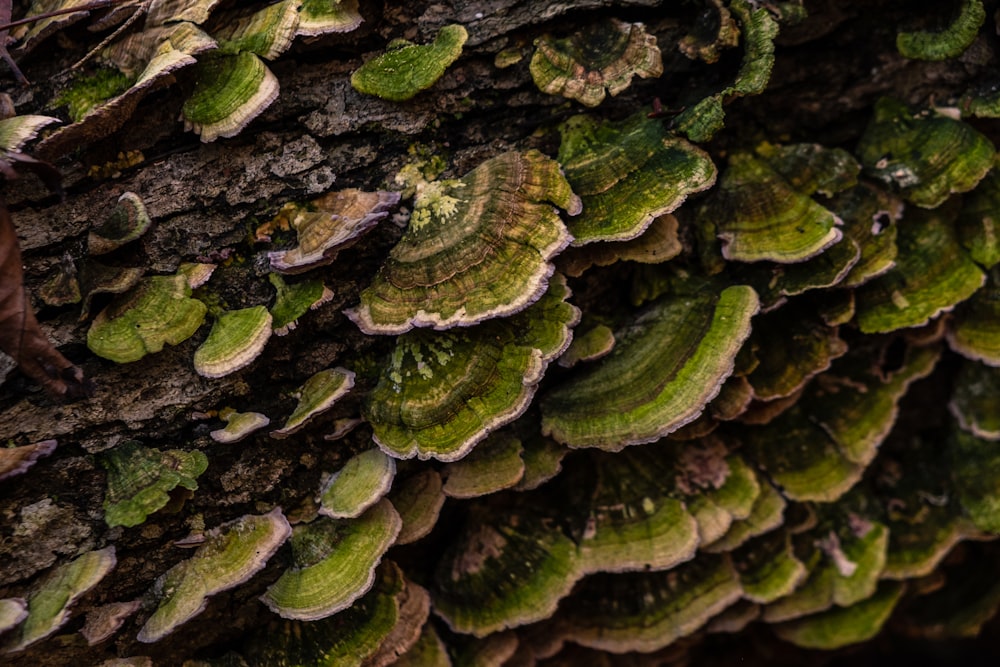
[207,199]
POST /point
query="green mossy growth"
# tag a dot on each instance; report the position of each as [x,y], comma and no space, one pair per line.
[91,91]
[140,480]
[401,73]
[950,42]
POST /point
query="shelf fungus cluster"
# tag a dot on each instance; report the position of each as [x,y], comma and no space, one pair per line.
[613,390]
[226,49]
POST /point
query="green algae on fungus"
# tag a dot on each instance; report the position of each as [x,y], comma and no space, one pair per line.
[761,216]
[928,157]
[267,33]
[978,224]
[791,346]
[91,91]
[407,69]
[323,17]
[718,493]
[950,42]
[418,499]
[812,168]
[292,301]
[974,400]
[659,243]
[845,554]
[230,555]
[334,563]
[239,425]
[475,249]
[842,626]
[50,601]
[664,369]
[361,483]
[157,310]
[505,569]
[646,611]
[495,464]
[630,513]
[975,468]
[627,174]
[972,330]
[236,339]
[931,275]
[856,403]
[140,480]
[126,223]
[230,91]
[317,395]
[329,224]
[154,67]
[766,514]
[595,343]
[768,568]
[443,392]
[353,637]
[604,56]
[700,121]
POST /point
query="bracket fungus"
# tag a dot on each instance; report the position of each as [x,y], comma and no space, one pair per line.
[761,216]
[479,249]
[239,425]
[231,91]
[972,329]
[950,42]
[17,460]
[927,156]
[140,480]
[230,555]
[601,59]
[334,563]
[505,569]
[157,310]
[49,603]
[977,223]
[931,275]
[406,69]
[388,617]
[646,611]
[443,392]
[361,483]
[627,174]
[664,369]
[631,515]
[974,400]
[843,625]
[495,464]
[701,120]
[126,223]
[323,17]
[292,301]
[418,499]
[236,339]
[316,396]
[329,224]
[12,612]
